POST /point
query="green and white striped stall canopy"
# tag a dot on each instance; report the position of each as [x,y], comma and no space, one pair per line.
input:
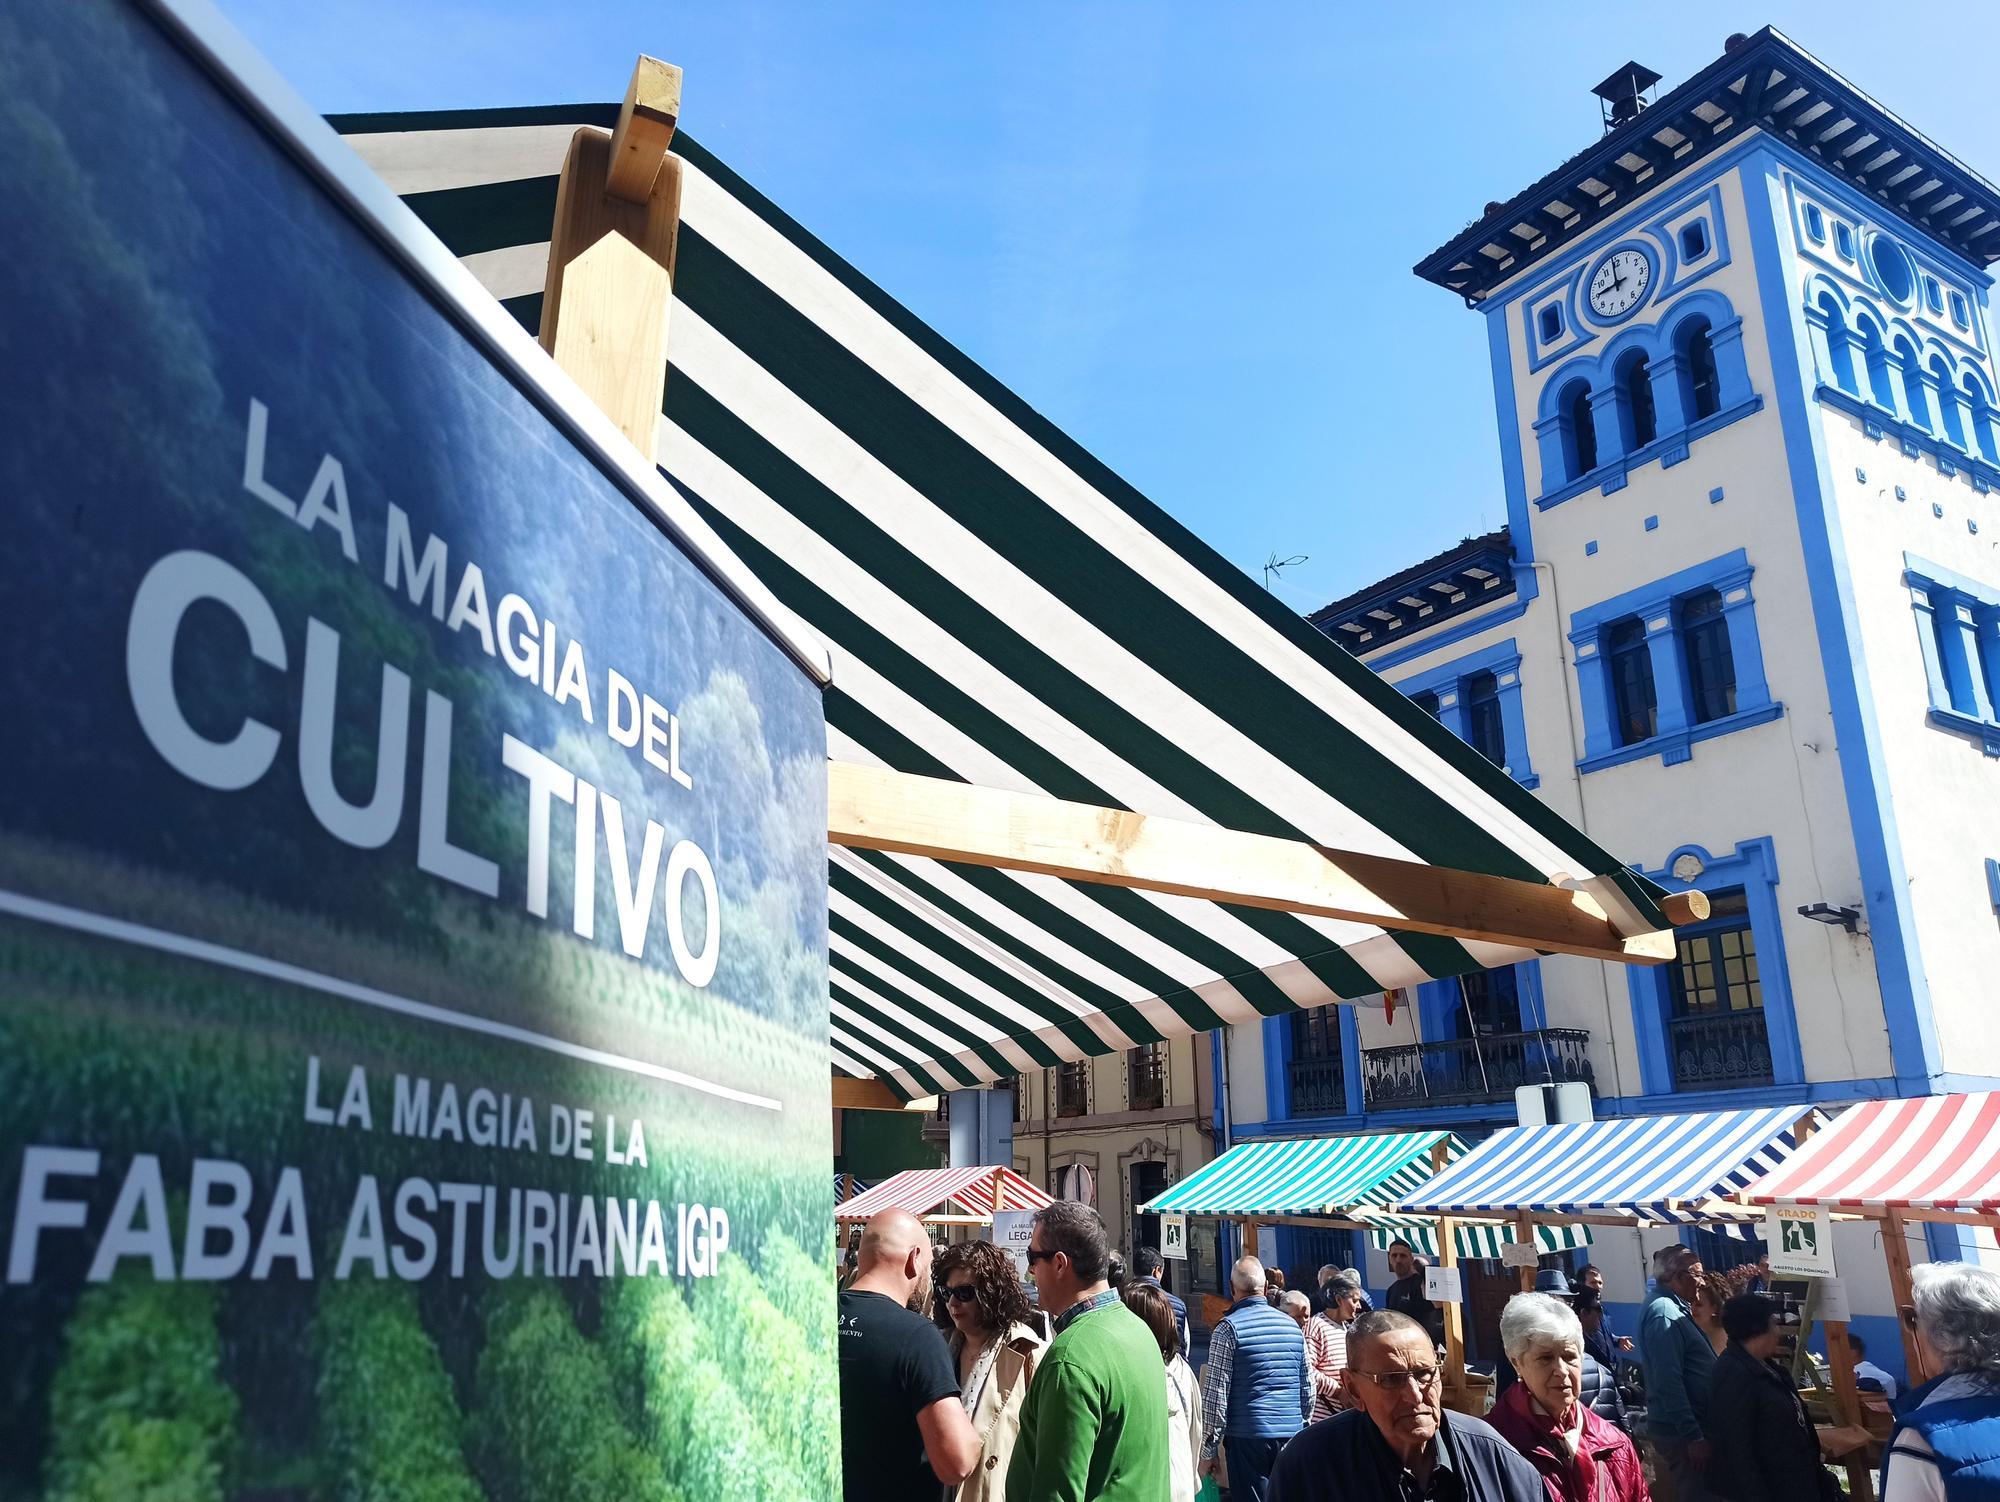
[1476,1241]
[1005,611]
[1308,1176]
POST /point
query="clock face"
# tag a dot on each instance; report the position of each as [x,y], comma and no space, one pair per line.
[1619,284]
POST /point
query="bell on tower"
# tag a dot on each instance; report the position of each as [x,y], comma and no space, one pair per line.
[1625,94]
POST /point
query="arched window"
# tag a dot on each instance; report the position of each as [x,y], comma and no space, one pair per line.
[1580,446]
[1635,375]
[1837,346]
[1954,430]
[1703,393]
[1982,433]
[1485,730]
[1875,354]
[1915,401]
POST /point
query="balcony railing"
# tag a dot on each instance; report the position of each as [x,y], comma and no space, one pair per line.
[1319,1087]
[1720,1050]
[1466,1071]
[1146,1079]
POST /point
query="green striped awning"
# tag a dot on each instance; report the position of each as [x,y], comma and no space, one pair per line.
[1332,1176]
[1005,611]
[1477,1241]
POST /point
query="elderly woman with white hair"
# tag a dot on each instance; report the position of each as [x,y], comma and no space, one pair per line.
[1947,1448]
[1579,1456]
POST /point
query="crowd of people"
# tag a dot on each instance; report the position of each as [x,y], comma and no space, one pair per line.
[954,1384]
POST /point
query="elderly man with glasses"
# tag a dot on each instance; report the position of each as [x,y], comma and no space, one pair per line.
[1396,1442]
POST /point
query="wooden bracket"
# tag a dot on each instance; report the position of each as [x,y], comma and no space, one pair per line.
[873,1095]
[611,256]
[874,808]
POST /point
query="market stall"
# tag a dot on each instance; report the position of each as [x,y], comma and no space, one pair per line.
[947,1196]
[1338,1183]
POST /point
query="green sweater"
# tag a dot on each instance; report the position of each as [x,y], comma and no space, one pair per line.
[1094,1427]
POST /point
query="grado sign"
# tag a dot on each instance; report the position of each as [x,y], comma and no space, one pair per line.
[1173,1237]
[412,876]
[1799,1239]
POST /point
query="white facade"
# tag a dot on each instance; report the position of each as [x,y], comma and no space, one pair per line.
[1840,532]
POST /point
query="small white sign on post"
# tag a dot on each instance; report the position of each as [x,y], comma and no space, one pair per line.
[1519,1254]
[1832,1305]
[1173,1237]
[1013,1231]
[1441,1285]
[1800,1240]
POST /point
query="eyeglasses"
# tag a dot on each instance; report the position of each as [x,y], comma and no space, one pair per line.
[1418,1378]
[959,1293]
[1035,1256]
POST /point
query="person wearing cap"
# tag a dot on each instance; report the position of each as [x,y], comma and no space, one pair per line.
[1766,1449]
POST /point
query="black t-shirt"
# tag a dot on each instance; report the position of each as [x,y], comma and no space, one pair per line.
[1406,1296]
[893,1365]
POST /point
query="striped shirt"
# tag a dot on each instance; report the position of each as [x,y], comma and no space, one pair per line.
[1326,1357]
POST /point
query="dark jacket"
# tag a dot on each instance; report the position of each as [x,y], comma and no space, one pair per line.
[1600,1393]
[1345,1459]
[1765,1447]
[1406,1296]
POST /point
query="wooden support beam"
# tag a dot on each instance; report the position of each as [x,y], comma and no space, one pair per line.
[1847,1409]
[1524,1233]
[1902,1293]
[873,808]
[611,258]
[873,1095]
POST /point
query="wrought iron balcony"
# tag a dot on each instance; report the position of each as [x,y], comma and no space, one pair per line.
[1720,1050]
[1318,1087]
[1468,1071]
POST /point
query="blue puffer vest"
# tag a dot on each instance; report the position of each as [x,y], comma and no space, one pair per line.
[1964,1431]
[1264,1398]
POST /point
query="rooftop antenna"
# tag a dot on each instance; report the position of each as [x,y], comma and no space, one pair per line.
[1277,565]
[1625,93]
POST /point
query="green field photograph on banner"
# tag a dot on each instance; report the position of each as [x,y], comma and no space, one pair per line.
[413,936]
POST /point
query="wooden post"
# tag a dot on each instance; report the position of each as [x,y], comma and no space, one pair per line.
[1454,1323]
[1524,1233]
[1902,1292]
[611,256]
[1847,1407]
[999,1190]
[1249,1245]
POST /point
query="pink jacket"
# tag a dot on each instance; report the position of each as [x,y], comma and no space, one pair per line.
[1619,1477]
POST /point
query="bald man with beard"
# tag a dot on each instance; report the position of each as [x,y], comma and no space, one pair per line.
[903,1432]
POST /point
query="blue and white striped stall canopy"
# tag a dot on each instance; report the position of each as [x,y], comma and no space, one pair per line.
[1477,1242]
[1650,1170]
[1331,1176]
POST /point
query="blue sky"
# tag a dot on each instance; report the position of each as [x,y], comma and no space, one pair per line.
[1183,232]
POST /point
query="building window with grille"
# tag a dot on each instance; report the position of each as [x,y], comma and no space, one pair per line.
[1711,671]
[1631,664]
[1958,633]
[1484,730]
[1073,1089]
[1489,1004]
[1146,1077]
[1715,1022]
[1316,1071]
[1478,699]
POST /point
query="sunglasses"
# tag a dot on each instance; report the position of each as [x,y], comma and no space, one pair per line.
[1035,1256]
[959,1293]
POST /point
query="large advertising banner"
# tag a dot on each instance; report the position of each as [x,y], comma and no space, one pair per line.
[413,1075]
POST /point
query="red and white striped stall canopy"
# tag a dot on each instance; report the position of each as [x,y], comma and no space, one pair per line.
[1936,1152]
[946,1191]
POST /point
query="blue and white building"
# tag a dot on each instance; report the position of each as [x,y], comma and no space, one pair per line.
[1742,627]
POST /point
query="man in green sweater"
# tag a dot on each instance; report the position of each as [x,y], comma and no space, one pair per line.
[1094,1427]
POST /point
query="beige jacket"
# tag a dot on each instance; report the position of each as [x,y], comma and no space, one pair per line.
[996,1417]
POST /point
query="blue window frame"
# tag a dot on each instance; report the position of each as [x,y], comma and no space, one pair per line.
[1638,383]
[1704,387]
[1815,223]
[1694,240]
[1583,430]
[1711,675]
[1489,1003]
[1312,1064]
[1958,633]
[1715,1001]
[1675,662]
[1478,699]
[1720,1016]
[1632,689]
[1843,239]
[1550,321]
[1933,295]
[1960,313]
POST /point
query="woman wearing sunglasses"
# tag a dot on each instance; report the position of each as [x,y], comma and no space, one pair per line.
[995,1338]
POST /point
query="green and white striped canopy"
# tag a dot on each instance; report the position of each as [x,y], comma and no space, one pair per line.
[1330,1176]
[1481,1242]
[1005,611]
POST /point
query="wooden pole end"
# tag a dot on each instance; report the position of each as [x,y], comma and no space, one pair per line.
[1683,908]
[645,129]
